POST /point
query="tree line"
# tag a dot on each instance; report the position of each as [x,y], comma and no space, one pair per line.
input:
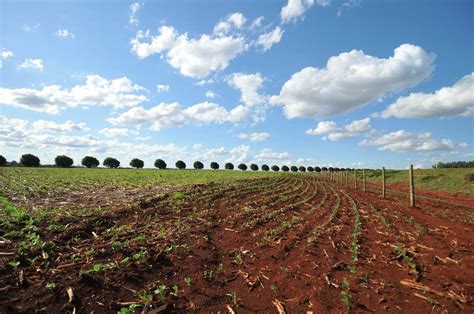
[29,160]
[454,164]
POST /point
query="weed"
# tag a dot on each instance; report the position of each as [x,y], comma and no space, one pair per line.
[160,291]
[188,281]
[51,285]
[232,297]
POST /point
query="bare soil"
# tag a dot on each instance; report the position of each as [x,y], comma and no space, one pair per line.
[290,244]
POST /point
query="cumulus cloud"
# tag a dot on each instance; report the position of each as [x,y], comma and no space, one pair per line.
[64,33]
[162,88]
[255,137]
[116,132]
[332,132]
[267,40]
[118,93]
[257,22]
[248,84]
[5,54]
[295,9]
[134,8]
[29,63]
[239,154]
[352,80]
[211,94]
[233,21]
[17,133]
[267,154]
[403,141]
[167,115]
[67,126]
[195,57]
[457,100]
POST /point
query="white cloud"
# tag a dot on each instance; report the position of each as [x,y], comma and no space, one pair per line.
[457,100]
[257,23]
[267,40]
[207,112]
[267,154]
[134,8]
[116,132]
[239,154]
[233,21]
[162,88]
[211,94]
[64,33]
[351,80]
[167,115]
[403,141]
[195,57]
[5,54]
[68,126]
[197,146]
[256,136]
[355,128]
[295,9]
[204,82]
[36,64]
[118,93]
[212,154]
[248,84]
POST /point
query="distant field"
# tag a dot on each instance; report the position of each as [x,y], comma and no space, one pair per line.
[32,181]
[450,180]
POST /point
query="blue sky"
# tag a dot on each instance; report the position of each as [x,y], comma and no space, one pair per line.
[303,82]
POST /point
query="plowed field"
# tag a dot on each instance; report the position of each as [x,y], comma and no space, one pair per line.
[292,243]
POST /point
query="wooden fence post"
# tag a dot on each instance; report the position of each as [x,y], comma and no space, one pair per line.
[364,185]
[383,182]
[355,178]
[412,187]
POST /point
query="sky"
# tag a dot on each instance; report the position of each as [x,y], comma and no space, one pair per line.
[342,83]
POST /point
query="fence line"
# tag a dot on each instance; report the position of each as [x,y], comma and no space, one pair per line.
[371,187]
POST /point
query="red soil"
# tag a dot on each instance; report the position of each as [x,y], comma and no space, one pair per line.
[255,246]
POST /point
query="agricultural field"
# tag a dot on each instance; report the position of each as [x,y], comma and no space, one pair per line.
[133,241]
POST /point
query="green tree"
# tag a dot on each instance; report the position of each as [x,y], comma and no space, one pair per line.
[285,168]
[317,169]
[229,166]
[242,167]
[275,168]
[310,169]
[265,168]
[63,161]
[197,165]
[254,167]
[180,164]
[89,162]
[29,160]
[137,163]
[160,164]
[302,168]
[294,168]
[111,162]
[3,161]
[214,165]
